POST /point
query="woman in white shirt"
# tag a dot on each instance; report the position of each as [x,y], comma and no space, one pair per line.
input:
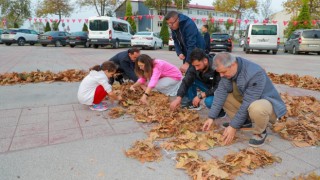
[95,86]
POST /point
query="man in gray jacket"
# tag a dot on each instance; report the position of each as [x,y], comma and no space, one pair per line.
[244,92]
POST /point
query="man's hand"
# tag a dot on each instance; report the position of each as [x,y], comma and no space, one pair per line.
[207,124]
[175,104]
[132,88]
[143,99]
[184,67]
[196,101]
[181,57]
[228,135]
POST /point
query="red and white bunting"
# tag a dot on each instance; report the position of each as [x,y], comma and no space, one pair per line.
[132,17]
[4,21]
[193,19]
[140,17]
[220,21]
[204,20]
[274,22]
[35,19]
[230,21]
[160,17]
[238,21]
[305,22]
[285,23]
[79,20]
[265,21]
[73,20]
[314,22]
[212,20]
[57,20]
[30,19]
[40,20]
[86,20]
[246,21]
[68,20]
[51,20]
[295,23]
[125,18]
[255,21]
[62,20]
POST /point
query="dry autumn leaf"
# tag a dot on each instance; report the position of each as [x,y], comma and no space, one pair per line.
[311,176]
[144,151]
[116,112]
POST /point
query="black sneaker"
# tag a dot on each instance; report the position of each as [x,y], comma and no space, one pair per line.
[222,114]
[247,124]
[191,107]
[257,140]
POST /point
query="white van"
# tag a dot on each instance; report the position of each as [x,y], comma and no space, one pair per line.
[262,37]
[105,30]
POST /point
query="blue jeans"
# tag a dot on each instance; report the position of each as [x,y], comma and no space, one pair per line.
[192,92]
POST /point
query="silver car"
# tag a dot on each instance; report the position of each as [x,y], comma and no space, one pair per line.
[303,40]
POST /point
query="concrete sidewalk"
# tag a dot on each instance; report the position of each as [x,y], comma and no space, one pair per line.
[48,135]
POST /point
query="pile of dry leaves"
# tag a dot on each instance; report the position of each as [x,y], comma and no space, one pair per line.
[293,80]
[302,122]
[231,166]
[70,75]
[311,176]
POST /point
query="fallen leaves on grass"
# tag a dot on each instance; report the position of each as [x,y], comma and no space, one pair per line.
[231,166]
[293,80]
[71,75]
[144,151]
[302,122]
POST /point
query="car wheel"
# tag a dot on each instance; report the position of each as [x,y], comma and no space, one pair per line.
[57,43]
[268,51]
[72,46]
[244,49]
[64,45]
[285,51]
[86,44]
[44,45]
[274,52]
[8,44]
[247,51]
[21,41]
[294,50]
[318,53]
[229,50]
[31,44]
[95,46]
[116,45]
[161,47]
[154,46]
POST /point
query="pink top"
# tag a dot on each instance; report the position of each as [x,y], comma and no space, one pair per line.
[162,69]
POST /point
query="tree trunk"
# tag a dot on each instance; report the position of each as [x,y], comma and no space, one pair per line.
[235,24]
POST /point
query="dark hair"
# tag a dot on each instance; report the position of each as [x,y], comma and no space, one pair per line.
[148,66]
[206,26]
[171,14]
[197,54]
[133,50]
[107,65]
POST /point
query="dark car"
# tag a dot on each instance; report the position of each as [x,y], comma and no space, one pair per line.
[1,30]
[57,38]
[221,41]
[79,38]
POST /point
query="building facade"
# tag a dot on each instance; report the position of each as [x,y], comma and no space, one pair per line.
[197,12]
[281,17]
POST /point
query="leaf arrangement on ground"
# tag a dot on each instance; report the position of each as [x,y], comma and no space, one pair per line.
[311,176]
[302,122]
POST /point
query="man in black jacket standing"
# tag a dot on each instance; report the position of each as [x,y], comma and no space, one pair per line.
[199,75]
[125,61]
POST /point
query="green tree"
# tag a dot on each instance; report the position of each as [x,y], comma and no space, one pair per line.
[129,14]
[228,26]
[47,28]
[235,7]
[210,24]
[54,7]
[164,32]
[15,12]
[216,27]
[85,27]
[55,26]
[158,4]
[181,4]
[303,19]
[293,6]
[102,7]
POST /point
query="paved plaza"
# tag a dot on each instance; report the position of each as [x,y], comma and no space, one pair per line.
[46,134]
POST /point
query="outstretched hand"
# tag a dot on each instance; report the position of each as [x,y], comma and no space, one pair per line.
[207,125]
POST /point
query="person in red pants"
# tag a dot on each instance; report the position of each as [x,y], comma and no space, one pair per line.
[95,86]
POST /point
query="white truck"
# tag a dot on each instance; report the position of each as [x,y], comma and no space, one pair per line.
[19,36]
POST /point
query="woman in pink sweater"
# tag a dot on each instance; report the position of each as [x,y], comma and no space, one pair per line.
[158,74]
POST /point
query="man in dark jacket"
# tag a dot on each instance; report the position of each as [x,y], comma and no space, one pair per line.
[206,37]
[125,61]
[244,92]
[199,75]
[185,35]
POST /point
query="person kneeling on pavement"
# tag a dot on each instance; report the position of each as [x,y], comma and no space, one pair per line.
[199,76]
[247,94]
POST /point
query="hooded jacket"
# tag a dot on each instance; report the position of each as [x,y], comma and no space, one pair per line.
[191,37]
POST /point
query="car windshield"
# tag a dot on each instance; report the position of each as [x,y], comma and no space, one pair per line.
[143,33]
[78,34]
[264,30]
[98,25]
[311,34]
[219,36]
[49,33]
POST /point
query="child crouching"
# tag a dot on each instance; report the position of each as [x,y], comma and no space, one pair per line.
[95,87]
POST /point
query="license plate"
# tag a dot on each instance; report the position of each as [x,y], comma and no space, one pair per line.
[72,42]
[219,45]
[6,35]
[94,40]
[313,45]
[43,37]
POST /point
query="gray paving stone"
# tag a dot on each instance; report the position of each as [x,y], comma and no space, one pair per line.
[60,108]
[58,116]
[9,121]
[35,110]
[10,113]
[34,118]
[310,155]
[278,143]
[126,127]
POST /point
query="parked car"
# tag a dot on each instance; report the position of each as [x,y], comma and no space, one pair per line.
[57,38]
[262,37]
[221,41]
[146,39]
[1,30]
[104,30]
[79,38]
[171,43]
[307,40]
[19,36]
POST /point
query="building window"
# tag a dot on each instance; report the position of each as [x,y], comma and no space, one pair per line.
[190,12]
[159,23]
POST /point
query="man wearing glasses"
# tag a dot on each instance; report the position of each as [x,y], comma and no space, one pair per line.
[185,35]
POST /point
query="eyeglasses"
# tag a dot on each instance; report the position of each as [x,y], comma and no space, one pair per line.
[171,24]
